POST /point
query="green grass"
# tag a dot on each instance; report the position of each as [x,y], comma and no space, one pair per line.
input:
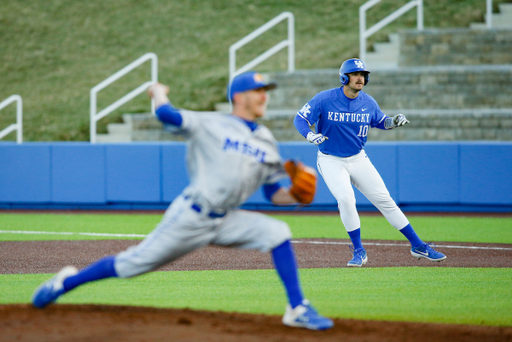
[53,52]
[453,295]
[86,223]
[463,229]
[444,295]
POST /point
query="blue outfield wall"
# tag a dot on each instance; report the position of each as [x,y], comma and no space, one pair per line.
[420,176]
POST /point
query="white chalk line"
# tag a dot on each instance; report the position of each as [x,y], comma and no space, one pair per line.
[399,244]
[294,241]
[70,233]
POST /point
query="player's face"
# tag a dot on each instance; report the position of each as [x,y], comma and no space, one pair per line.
[255,102]
[356,81]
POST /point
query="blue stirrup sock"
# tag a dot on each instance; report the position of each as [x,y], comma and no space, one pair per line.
[411,235]
[101,269]
[355,237]
[286,266]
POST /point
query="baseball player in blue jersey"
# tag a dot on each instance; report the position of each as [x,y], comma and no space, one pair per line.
[343,117]
[229,157]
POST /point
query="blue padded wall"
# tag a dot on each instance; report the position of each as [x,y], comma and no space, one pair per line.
[486,173]
[436,175]
[428,172]
[174,172]
[25,173]
[78,173]
[133,172]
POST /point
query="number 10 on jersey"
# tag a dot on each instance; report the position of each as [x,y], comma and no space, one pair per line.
[363,131]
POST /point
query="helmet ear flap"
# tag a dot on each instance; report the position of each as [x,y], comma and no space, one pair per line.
[366,78]
[344,79]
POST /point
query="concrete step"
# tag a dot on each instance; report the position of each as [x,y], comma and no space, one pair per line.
[119,128]
[224,107]
[459,46]
[505,9]
[113,138]
[386,54]
[450,86]
[503,19]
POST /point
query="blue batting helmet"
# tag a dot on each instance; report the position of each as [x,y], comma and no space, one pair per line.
[353,65]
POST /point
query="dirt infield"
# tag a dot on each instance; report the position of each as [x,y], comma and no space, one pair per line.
[18,257]
[117,323]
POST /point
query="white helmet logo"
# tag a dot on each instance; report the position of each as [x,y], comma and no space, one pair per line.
[359,64]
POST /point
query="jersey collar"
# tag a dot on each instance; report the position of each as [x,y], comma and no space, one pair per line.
[340,89]
[251,124]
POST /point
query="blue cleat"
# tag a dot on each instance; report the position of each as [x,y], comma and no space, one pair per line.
[305,316]
[51,289]
[359,258]
[427,252]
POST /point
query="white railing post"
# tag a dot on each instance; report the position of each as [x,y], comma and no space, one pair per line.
[419,15]
[95,117]
[365,33]
[18,126]
[488,15]
[289,42]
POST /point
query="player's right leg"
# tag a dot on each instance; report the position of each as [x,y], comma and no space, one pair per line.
[336,175]
[249,230]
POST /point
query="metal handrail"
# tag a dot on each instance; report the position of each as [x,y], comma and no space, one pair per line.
[365,33]
[488,15]
[290,43]
[95,117]
[19,118]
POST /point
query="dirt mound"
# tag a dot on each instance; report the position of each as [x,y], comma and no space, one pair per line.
[126,324]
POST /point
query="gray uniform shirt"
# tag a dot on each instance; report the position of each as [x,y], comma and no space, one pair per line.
[227,161]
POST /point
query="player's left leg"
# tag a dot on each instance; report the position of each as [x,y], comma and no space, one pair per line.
[249,230]
[367,179]
[180,231]
[335,172]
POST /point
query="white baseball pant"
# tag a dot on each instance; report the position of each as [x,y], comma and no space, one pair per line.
[339,173]
[183,230]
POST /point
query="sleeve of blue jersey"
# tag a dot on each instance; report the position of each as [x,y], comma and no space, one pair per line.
[301,125]
[270,189]
[379,116]
[169,115]
[381,123]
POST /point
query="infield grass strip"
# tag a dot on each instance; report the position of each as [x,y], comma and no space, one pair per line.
[84,223]
[442,295]
[460,229]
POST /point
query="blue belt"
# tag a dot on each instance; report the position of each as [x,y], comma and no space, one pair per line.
[211,214]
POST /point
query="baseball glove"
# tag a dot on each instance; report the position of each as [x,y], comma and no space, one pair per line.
[303,178]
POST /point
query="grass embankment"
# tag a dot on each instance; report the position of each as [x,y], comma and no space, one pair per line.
[53,52]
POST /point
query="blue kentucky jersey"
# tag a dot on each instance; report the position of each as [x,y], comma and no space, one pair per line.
[343,120]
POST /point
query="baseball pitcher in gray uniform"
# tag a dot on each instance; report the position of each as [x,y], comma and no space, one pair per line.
[229,157]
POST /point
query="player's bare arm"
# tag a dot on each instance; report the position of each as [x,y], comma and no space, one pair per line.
[283,197]
[159,93]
